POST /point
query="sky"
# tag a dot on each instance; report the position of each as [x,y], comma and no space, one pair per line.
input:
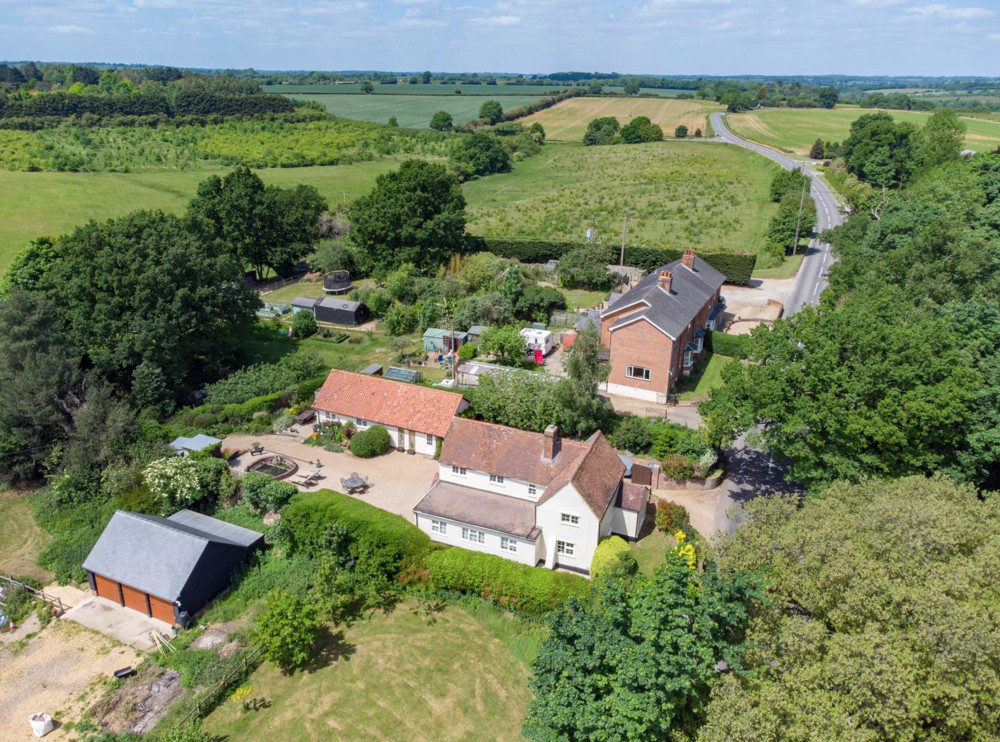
[711,37]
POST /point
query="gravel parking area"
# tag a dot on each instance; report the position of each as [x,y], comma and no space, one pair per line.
[398,480]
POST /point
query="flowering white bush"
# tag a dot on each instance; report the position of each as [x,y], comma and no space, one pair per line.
[174,482]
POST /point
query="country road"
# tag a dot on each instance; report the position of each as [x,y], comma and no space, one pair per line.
[811,278]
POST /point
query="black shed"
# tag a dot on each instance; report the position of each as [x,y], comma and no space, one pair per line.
[341,312]
[165,567]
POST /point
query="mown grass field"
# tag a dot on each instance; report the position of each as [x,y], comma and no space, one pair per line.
[36,204]
[567,121]
[354,88]
[413,111]
[21,540]
[796,129]
[391,677]
[705,196]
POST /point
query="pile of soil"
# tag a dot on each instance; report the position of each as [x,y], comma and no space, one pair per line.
[139,703]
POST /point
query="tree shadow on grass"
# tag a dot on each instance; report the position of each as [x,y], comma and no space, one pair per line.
[331,646]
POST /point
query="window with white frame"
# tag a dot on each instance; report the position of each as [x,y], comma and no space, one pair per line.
[508,544]
[358,422]
[637,372]
[460,470]
[565,548]
[698,344]
[710,325]
[532,489]
[439,526]
[688,358]
[476,537]
[496,479]
[570,520]
[430,439]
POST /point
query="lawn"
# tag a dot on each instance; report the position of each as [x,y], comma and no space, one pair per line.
[650,551]
[786,269]
[391,677]
[36,204]
[567,121]
[796,129]
[583,299]
[709,197]
[705,376]
[21,540]
[413,111]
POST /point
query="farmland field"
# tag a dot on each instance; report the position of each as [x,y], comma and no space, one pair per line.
[354,88]
[795,129]
[414,111]
[392,677]
[567,121]
[36,204]
[702,195]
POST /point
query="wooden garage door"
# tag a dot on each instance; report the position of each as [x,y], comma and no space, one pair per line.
[134,599]
[162,609]
[107,588]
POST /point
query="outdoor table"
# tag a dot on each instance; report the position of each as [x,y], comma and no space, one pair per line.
[354,483]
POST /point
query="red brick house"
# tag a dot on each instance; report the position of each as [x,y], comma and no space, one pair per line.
[656,331]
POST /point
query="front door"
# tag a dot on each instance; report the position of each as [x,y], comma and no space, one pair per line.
[412,440]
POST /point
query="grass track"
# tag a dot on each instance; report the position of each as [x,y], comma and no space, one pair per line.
[567,121]
[796,129]
[399,679]
[21,540]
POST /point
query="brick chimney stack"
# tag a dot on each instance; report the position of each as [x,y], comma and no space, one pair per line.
[666,280]
[551,448]
[688,259]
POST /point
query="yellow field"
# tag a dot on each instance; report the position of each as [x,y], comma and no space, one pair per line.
[567,121]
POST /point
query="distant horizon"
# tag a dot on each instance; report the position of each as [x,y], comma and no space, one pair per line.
[881,38]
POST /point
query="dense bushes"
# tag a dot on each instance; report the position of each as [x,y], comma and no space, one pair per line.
[374,441]
[508,583]
[613,556]
[263,493]
[671,517]
[309,515]
[264,378]
[736,267]
[734,346]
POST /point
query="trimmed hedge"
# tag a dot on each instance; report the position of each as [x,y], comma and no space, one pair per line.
[374,441]
[309,515]
[734,346]
[532,590]
[736,267]
[613,556]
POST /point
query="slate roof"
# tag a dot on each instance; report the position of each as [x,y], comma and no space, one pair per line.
[497,512]
[158,555]
[197,443]
[331,302]
[387,402]
[304,302]
[593,467]
[670,312]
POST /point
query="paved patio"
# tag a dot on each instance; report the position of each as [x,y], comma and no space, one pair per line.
[123,624]
[398,480]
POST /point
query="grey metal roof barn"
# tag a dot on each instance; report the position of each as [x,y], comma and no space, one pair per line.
[145,561]
[341,311]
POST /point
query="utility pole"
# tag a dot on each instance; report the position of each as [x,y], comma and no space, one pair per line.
[621,261]
[798,222]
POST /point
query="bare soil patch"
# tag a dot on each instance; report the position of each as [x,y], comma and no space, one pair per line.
[139,703]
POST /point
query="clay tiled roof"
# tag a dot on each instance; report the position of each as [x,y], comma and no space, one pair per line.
[632,497]
[592,467]
[479,508]
[387,402]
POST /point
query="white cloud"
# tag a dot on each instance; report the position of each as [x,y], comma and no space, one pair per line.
[69,29]
[945,11]
[993,36]
[496,21]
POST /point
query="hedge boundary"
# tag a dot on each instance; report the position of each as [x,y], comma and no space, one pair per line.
[736,267]
[734,346]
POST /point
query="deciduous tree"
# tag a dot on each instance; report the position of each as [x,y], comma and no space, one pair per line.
[286,630]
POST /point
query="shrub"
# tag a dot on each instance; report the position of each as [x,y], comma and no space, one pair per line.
[681,131]
[262,493]
[671,517]
[613,556]
[304,325]
[602,130]
[734,346]
[676,466]
[468,351]
[373,441]
[634,434]
[309,515]
[641,129]
[511,585]
[264,378]
[286,630]
[175,483]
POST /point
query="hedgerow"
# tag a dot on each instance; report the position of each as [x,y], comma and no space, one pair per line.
[734,346]
[532,590]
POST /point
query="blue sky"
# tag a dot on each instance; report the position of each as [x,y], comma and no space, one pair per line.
[717,37]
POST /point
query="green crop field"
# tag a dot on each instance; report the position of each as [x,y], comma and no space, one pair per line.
[567,121]
[702,195]
[795,129]
[391,677]
[488,91]
[410,110]
[36,204]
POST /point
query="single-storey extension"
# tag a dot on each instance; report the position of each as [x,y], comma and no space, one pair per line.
[167,568]
[415,416]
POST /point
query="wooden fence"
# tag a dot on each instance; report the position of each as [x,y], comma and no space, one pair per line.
[39,594]
[210,699]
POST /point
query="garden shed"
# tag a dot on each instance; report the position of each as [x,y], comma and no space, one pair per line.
[167,568]
[341,312]
[437,340]
[303,304]
[183,446]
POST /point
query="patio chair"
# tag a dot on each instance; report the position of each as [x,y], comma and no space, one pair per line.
[343,483]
